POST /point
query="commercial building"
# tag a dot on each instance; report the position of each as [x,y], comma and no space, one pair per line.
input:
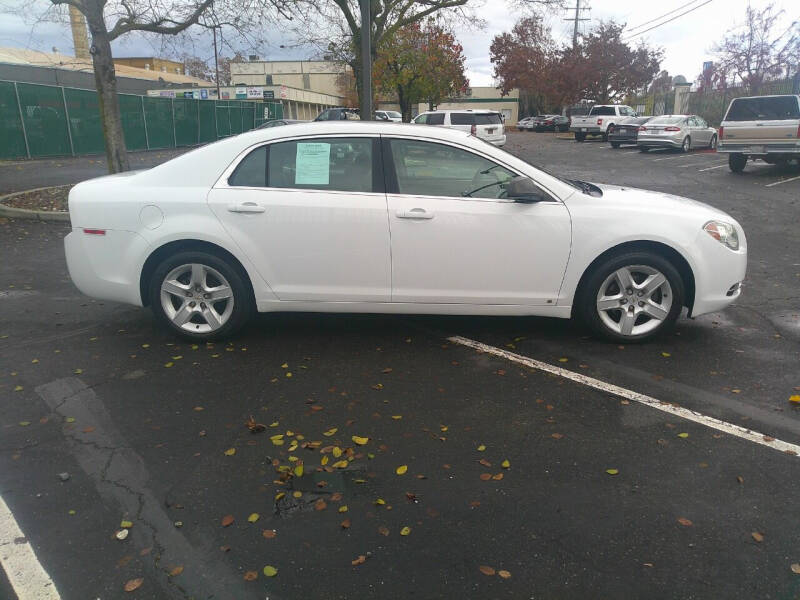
[483,98]
[151,63]
[320,76]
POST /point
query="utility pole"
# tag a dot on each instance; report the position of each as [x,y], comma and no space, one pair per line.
[366,61]
[216,62]
[577,8]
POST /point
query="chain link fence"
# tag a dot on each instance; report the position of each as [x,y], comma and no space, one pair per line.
[42,120]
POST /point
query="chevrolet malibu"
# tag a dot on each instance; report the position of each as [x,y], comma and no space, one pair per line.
[389,218]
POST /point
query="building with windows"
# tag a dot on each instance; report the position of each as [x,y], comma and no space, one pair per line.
[321,76]
[483,98]
[151,63]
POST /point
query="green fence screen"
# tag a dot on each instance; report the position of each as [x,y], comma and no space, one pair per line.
[58,121]
[12,140]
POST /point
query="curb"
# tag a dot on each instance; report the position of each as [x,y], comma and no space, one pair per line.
[35,215]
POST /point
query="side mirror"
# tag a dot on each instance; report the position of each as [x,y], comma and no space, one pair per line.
[524,191]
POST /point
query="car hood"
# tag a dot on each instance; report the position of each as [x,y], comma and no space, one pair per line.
[649,200]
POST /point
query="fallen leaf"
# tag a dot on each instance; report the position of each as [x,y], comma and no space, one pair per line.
[380,501]
[175,571]
[227,520]
[250,576]
[556,436]
[795,568]
[346,524]
[759,537]
[405,530]
[343,508]
[24,423]
[768,438]
[685,522]
[486,476]
[683,435]
[401,470]
[612,471]
[18,388]
[360,440]
[740,479]
[794,399]
[358,561]
[230,451]
[398,417]
[563,360]
[251,424]
[268,534]
[485,462]
[505,464]
[383,530]
[320,504]
[497,477]
[133,584]
[504,574]
[340,464]
[126,524]
[330,432]
[270,571]
[666,354]
[486,570]
[298,470]
[254,517]
[481,448]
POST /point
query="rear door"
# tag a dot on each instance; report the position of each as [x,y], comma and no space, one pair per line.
[310,214]
[461,120]
[489,126]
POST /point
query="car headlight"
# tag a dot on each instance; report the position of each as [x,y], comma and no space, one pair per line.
[724,233]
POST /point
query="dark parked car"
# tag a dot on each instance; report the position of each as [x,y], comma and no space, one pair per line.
[626,132]
[278,123]
[338,114]
[551,123]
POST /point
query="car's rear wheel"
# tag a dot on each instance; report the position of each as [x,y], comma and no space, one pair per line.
[615,144]
[686,146]
[579,137]
[632,297]
[200,296]
[737,162]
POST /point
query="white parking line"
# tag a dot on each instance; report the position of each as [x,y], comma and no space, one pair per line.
[712,168]
[694,164]
[783,181]
[610,388]
[672,157]
[27,576]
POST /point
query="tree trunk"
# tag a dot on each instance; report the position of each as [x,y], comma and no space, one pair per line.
[106,83]
[405,105]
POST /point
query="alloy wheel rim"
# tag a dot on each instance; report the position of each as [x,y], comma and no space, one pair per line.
[634,300]
[197,298]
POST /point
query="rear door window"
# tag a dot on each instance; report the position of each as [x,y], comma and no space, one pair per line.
[462,119]
[602,110]
[422,119]
[252,171]
[763,109]
[488,119]
[436,119]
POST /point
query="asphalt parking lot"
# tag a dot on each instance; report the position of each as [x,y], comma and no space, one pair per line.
[608,492]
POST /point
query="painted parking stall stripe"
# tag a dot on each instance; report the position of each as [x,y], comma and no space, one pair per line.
[609,388]
[782,181]
[24,571]
[712,168]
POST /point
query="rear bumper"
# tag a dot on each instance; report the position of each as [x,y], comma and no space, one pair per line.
[755,148]
[622,139]
[665,142]
[586,129]
[496,140]
[107,266]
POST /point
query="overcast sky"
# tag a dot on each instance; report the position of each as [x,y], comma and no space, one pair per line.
[686,40]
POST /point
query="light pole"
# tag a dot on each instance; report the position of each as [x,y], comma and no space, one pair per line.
[366,62]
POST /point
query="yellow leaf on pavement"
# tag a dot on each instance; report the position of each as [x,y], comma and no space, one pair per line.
[270,571]
[230,451]
[505,464]
[341,464]
[360,440]
[401,470]
[481,448]
[330,432]
[683,435]
[298,470]
[405,530]
[612,471]
[254,517]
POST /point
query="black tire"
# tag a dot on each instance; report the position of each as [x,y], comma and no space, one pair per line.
[579,137]
[736,162]
[243,304]
[713,143]
[644,149]
[586,299]
[686,146]
[615,144]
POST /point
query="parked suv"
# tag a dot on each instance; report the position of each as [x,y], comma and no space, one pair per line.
[485,124]
[765,127]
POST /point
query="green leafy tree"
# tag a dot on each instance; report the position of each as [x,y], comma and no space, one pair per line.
[420,63]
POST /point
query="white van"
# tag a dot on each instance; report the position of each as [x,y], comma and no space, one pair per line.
[485,124]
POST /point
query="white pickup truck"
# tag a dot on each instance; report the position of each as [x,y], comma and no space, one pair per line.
[600,119]
[765,127]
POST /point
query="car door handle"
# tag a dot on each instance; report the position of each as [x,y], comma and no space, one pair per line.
[246,207]
[414,213]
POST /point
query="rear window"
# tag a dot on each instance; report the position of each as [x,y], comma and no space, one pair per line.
[462,119]
[436,119]
[490,119]
[665,121]
[763,109]
[602,110]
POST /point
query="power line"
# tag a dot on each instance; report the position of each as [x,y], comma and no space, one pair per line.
[668,20]
[674,10]
[577,8]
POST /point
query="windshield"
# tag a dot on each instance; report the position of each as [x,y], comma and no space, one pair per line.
[763,109]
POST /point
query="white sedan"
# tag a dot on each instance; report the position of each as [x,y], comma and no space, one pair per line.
[350,216]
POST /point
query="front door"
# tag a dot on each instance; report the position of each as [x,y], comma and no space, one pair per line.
[311,215]
[455,239]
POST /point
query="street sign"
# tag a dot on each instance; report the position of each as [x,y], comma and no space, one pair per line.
[254,93]
[241,93]
[204,94]
[269,94]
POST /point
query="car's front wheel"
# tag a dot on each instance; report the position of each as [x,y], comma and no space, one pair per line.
[200,296]
[632,297]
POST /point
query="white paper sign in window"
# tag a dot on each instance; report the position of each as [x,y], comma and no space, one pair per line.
[312,164]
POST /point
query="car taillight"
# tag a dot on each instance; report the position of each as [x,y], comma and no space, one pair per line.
[548,122]
[642,128]
[473,130]
[672,128]
[599,121]
[94,231]
[798,132]
[722,130]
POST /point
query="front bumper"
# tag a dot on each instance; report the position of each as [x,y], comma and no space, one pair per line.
[106,267]
[719,273]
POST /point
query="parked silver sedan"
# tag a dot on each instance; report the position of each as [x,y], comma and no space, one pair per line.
[676,131]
